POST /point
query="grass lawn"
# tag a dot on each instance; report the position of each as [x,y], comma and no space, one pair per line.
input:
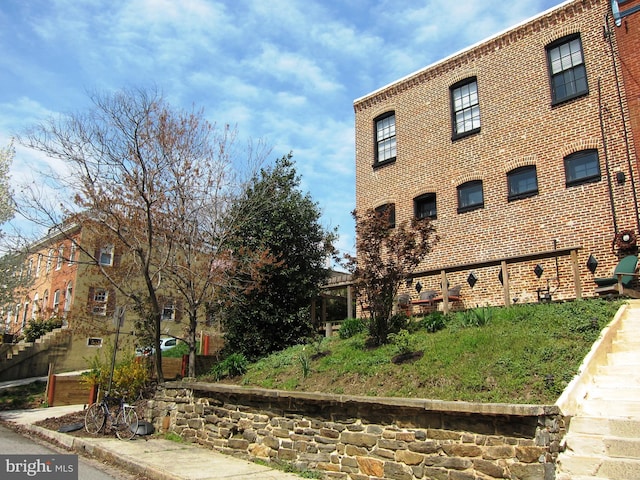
[31,395]
[520,354]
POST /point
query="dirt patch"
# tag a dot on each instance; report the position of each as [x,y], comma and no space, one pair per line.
[55,423]
[407,357]
[77,418]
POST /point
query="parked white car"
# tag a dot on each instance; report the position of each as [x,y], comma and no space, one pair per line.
[166,343]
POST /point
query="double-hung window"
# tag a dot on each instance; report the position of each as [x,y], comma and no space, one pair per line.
[522,182]
[68,295]
[49,261]
[72,252]
[388,210]
[567,69]
[425,206]
[470,196]
[465,108]
[100,298]
[385,134]
[60,257]
[582,167]
[106,255]
[56,301]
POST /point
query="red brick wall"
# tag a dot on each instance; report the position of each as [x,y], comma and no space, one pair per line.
[67,273]
[628,41]
[519,127]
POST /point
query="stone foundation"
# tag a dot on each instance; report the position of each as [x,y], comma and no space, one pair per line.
[366,438]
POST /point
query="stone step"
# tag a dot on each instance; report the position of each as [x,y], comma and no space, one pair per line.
[599,467]
[598,445]
[623,358]
[627,335]
[632,371]
[605,389]
[625,345]
[585,444]
[19,347]
[617,447]
[620,469]
[599,407]
[617,427]
[615,381]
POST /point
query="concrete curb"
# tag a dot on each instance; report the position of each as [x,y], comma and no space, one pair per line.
[91,447]
[154,458]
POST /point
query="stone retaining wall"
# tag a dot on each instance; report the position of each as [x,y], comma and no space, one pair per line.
[366,438]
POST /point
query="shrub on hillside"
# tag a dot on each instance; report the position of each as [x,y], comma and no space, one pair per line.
[351,327]
[433,322]
[232,366]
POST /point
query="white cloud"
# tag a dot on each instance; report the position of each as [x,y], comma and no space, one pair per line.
[284,70]
[283,65]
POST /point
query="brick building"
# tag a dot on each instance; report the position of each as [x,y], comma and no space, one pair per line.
[521,150]
[67,284]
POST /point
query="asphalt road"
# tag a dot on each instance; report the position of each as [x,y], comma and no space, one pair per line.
[88,469]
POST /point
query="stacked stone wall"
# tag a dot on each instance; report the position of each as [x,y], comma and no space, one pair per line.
[361,438]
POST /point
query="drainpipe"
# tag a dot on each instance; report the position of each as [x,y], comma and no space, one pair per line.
[606,162]
[608,35]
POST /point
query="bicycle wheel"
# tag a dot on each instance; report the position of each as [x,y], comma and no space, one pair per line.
[95,418]
[126,423]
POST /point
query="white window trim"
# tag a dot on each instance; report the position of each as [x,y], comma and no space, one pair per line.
[34,307]
[100,299]
[49,261]
[56,301]
[38,265]
[67,297]
[108,250]
[72,252]
[60,257]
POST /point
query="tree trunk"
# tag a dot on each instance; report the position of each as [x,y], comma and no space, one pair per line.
[193,330]
[158,355]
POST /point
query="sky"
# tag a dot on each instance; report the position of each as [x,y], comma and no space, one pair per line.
[283,71]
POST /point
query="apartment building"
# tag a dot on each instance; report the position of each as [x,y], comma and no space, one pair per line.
[522,151]
[66,284]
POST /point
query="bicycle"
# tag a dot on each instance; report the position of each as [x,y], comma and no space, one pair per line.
[125,422]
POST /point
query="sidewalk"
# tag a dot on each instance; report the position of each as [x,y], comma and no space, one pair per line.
[153,457]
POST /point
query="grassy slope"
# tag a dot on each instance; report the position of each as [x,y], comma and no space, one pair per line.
[510,359]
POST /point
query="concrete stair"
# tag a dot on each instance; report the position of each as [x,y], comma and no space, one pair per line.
[18,361]
[17,348]
[603,440]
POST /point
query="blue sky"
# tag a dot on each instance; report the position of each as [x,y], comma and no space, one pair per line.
[286,71]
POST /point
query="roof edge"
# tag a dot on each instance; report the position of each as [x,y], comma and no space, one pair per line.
[462,51]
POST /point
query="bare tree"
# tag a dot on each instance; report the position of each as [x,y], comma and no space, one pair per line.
[6,203]
[158,181]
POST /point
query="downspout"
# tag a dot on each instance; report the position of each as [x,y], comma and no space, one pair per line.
[608,34]
[606,162]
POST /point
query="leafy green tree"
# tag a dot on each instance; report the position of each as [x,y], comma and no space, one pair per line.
[386,257]
[275,313]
